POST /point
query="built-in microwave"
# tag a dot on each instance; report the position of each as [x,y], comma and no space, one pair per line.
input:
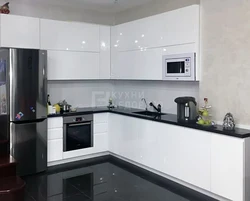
[179,67]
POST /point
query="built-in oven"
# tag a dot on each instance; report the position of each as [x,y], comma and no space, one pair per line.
[179,67]
[77,132]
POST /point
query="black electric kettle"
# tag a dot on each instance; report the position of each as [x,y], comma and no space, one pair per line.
[186,109]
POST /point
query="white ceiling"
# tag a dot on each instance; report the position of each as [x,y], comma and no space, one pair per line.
[98,5]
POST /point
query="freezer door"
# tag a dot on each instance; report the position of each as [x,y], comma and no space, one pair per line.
[28,145]
[28,84]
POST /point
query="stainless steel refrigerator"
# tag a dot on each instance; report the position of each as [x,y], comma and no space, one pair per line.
[23,72]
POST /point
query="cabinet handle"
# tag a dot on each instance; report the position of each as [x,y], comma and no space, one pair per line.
[82,124]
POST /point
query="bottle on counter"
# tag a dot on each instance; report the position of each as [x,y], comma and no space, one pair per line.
[48,100]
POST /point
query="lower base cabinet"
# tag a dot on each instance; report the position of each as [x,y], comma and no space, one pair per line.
[55,150]
[177,151]
[213,162]
[227,167]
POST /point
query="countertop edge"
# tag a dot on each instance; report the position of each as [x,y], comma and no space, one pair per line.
[192,126]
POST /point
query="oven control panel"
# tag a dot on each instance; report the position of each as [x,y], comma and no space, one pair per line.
[78,119]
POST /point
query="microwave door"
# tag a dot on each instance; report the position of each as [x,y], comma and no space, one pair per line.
[177,68]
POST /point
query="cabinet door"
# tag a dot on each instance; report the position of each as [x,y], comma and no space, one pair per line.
[115,133]
[55,122]
[175,27]
[227,163]
[105,52]
[101,142]
[55,150]
[137,65]
[145,64]
[66,65]
[20,32]
[123,136]
[73,36]
[176,151]
[194,157]
[55,133]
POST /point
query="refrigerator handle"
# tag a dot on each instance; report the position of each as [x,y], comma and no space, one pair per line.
[30,121]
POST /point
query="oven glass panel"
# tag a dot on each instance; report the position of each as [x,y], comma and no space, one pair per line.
[176,67]
[78,136]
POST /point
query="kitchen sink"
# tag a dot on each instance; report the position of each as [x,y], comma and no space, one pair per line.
[148,113]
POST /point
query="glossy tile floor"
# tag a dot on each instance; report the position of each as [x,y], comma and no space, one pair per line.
[105,181]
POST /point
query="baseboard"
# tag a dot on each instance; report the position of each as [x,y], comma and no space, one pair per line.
[71,161]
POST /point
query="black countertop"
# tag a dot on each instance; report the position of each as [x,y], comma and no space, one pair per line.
[168,118]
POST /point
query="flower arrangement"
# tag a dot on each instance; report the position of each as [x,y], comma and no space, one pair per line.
[5,9]
[204,115]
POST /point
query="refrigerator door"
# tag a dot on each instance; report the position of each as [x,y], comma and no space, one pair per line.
[28,145]
[28,84]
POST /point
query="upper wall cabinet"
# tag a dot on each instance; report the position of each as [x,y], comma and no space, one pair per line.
[72,36]
[69,65]
[104,52]
[137,47]
[176,27]
[20,32]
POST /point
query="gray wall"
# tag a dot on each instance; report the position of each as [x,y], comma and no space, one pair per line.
[225,50]
[152,8]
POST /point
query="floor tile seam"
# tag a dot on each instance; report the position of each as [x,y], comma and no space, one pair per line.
[79,190]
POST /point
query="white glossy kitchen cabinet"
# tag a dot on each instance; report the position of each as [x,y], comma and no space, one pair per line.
[194,156]
[105,52]
[20,32]
[137,54]
[72,36]
[227,167]
[55,122]
[175,27]
[145,64]
[55,133]
[55,150]
[55,139]
[101,132]
[176,151]
[123,138]
[68,65]
[137,65]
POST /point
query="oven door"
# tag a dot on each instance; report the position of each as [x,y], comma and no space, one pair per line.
[78,135]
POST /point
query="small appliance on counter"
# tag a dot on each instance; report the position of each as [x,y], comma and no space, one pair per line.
[65,107]
[186,109]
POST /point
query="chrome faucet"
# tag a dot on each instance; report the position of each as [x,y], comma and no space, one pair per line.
[143,99]
[158,108]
